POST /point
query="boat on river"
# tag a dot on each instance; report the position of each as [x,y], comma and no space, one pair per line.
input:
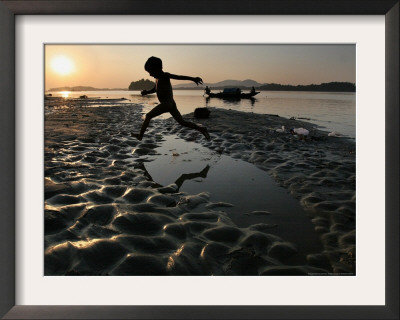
[232,93]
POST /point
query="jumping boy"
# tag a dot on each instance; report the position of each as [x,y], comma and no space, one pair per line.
[164,94]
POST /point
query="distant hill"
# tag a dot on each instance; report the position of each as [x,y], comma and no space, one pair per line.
[247,84]
[141,85]
[237,83]
[226,83]
[84,88]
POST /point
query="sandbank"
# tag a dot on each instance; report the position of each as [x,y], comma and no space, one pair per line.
[105,214]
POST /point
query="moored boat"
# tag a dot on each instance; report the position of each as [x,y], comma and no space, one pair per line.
[232,93]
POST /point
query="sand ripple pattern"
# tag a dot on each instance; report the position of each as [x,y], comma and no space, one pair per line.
[319,171]
[105,216]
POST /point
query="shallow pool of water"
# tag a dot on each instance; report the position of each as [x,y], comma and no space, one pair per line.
[197,169]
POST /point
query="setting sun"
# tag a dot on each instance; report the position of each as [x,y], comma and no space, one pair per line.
[62,65]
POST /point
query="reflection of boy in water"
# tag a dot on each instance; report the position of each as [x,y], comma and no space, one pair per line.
[164,94]
[188,176]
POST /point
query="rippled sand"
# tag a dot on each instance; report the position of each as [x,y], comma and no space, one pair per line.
[104,215]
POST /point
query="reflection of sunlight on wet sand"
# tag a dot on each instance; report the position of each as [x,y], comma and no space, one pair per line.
[65,94]
[81,244]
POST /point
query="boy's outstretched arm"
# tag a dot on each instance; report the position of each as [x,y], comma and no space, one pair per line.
[196,80]
[144,92]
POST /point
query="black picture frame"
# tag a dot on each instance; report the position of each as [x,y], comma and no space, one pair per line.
[8,11]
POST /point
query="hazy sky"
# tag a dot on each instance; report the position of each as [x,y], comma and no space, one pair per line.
[116,66]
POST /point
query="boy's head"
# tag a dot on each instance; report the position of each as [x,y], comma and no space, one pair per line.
[153,66]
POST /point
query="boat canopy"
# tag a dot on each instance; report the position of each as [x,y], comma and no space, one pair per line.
[232,90]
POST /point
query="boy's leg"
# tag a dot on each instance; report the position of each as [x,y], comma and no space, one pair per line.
[178,117]
[156,111]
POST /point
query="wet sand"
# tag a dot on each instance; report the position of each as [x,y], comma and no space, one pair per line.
[104,214]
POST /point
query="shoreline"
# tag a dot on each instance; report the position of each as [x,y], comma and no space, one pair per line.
[274,103]
[98,198]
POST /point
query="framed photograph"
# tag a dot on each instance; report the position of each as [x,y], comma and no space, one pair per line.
[204,159]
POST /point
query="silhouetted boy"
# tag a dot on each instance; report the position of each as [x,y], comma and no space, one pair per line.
[164,94]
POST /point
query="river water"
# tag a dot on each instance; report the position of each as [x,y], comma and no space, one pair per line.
[329,110]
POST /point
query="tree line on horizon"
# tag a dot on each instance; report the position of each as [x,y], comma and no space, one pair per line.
[326,87]
[142,84]
[145,84]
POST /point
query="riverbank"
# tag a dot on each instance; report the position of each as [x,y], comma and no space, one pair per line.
[105,216]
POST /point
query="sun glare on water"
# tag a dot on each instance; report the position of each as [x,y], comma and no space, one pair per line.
[62,65]
[65,94]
